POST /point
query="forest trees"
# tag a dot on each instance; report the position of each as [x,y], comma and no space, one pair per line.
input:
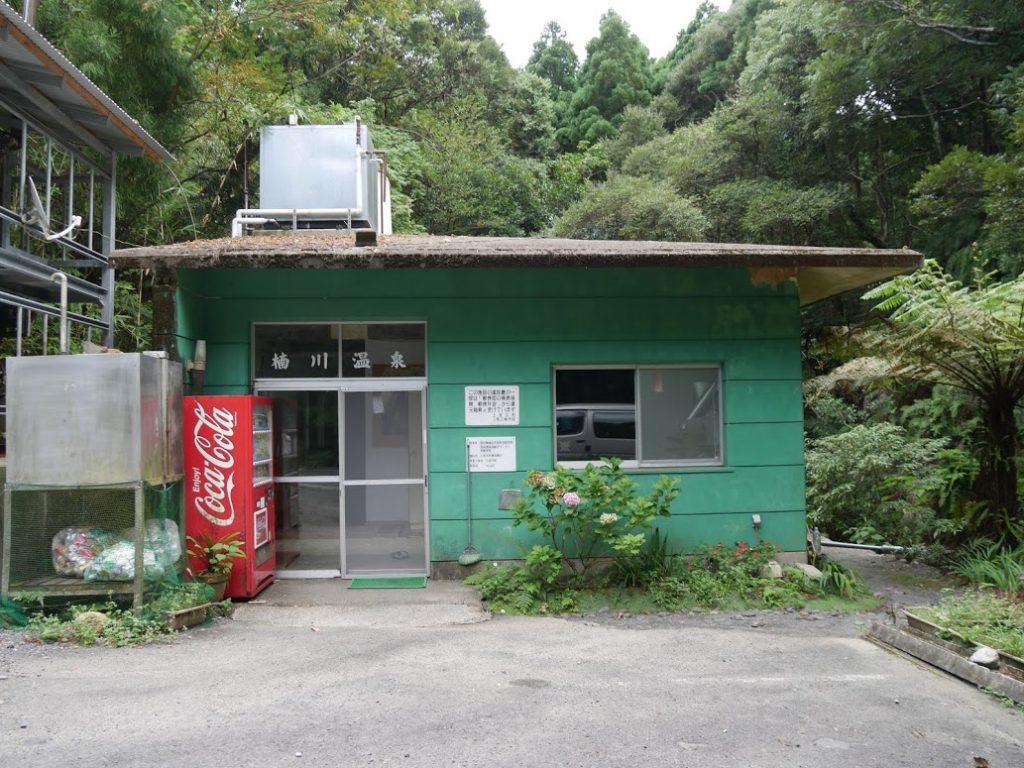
[841,122]
[615,75]
[832,122]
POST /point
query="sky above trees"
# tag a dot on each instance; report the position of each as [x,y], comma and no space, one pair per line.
[517,25]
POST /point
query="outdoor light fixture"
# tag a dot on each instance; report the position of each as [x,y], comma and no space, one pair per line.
[755,521]
[508,498]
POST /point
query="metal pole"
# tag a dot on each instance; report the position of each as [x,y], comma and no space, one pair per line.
[70,192]
[92,206]
[60,277]
[6,184]
[108,245]
[23,176]
[20,330]
[49,180]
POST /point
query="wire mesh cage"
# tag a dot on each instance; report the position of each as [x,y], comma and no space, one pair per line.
[87,541]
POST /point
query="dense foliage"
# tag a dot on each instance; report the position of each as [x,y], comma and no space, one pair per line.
[864,122]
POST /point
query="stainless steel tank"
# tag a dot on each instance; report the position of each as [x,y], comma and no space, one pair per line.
[81,420]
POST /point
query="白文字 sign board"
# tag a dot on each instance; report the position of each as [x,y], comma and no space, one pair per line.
[492,406]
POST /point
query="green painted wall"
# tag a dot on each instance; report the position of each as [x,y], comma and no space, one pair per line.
[510,326]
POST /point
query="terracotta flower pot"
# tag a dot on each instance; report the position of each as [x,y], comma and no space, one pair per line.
[219,582]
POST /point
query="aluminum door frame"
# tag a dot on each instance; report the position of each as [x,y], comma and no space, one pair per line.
[342,387]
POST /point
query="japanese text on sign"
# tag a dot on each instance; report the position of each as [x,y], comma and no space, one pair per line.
[492,406]
[491,454]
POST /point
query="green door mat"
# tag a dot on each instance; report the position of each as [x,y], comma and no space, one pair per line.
[400,582]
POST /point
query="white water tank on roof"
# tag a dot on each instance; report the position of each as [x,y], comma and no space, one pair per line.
[332,170]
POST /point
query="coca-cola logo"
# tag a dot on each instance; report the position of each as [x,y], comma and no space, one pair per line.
[213,438]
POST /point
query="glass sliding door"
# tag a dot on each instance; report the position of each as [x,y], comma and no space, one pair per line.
[350,444]
[307,482]
[384,482]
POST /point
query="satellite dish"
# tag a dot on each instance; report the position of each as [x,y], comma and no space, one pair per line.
[36,214]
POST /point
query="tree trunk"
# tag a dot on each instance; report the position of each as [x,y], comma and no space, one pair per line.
[997,479]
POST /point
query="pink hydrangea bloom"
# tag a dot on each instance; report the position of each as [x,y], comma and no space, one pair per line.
[571,499]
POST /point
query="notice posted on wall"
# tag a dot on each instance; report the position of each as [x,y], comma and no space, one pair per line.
[491,454]
[492,406]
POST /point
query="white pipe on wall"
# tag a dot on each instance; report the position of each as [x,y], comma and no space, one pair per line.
[60,277]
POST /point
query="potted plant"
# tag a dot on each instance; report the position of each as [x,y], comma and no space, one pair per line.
[219,558]
[182,605]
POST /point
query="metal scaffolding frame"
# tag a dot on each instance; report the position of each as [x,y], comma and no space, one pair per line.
[60,139]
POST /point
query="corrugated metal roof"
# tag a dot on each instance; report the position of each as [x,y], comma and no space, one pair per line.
[40,82]
[820,272]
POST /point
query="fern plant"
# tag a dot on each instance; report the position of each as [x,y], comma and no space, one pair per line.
[970,337]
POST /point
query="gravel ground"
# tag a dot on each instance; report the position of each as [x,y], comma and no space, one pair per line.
[899,583]
[426,678]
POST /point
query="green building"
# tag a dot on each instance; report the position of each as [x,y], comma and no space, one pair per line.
[398,366]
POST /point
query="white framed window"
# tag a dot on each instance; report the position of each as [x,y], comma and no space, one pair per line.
[645,415]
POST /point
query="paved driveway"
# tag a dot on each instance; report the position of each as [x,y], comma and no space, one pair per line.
[420,678]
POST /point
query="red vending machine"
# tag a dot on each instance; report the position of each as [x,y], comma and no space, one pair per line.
[230,481]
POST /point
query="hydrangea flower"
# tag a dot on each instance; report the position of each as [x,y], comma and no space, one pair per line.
[608,518]
[535,478]
[571,499]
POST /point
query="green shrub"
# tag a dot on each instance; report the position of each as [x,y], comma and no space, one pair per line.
[873,484]
[592,512]
[646,567]
[532,587]
[989,564]
[726,577]
[631,208]
[827,414]
[837,579]
[669,593]
[779,593]
[90,624]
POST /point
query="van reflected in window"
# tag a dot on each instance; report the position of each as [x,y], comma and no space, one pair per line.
[588,432]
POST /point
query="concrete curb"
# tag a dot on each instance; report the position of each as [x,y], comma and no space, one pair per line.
[947,661]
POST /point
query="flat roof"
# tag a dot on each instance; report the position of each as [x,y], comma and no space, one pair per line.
[819,272]
[39,82]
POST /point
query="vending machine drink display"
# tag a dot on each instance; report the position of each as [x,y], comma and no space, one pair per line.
[230,481]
